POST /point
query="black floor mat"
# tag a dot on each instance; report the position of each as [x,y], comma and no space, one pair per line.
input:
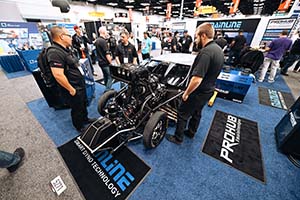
[235,141]
[274,98]
[102,175]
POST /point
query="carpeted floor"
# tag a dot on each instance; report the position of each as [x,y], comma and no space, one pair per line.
[17,74]
[184,172]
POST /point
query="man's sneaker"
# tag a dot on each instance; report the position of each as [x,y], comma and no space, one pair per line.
[270,81]
[21,153]
[189,134]
[172,138]
[260,80]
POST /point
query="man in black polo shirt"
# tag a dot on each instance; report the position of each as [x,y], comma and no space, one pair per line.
[104,56]
[125,51]
[205,70]
[64,67]
[186,42]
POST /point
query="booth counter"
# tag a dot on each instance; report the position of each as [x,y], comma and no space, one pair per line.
[233,85]
[29,58]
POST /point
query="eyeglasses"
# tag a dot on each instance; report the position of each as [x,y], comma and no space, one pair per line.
[67,34]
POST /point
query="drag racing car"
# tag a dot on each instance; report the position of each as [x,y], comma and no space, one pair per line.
[142,109]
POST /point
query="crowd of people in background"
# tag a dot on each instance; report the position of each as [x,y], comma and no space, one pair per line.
[121,47]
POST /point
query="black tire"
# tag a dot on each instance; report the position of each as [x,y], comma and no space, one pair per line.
[104,99]
[155,130]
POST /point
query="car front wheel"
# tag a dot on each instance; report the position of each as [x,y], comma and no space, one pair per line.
[155,129]
[104,100]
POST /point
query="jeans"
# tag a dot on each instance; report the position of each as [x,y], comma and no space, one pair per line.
[192,108]
[289,62]
[8,159]
[107,77]
[274,67]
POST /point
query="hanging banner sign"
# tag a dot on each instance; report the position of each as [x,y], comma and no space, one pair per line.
[197,6]
[235,6]
[130,14]
[284,5]
[169,10]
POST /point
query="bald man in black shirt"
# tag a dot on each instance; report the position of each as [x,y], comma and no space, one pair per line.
[64,67]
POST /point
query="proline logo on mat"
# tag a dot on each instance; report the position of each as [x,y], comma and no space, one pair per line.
[274,98]
[103,175]
[235,141]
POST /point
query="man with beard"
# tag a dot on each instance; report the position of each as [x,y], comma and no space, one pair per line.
[205,70]
[126,52]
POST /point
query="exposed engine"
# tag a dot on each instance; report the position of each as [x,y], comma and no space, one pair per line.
[144,92]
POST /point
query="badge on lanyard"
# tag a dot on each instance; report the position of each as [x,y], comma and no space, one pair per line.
[125,60]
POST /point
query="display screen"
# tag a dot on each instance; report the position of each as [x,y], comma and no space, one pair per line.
[231,27]
[275,27]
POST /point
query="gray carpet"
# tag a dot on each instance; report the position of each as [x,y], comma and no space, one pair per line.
[18,127]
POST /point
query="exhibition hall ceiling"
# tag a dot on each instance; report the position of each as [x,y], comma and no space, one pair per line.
[159,7]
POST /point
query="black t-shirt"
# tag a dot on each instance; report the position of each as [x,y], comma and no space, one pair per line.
[239,43]
[102,50]
[186,42]
[128,51]
[174,42]
[208,65]
[60,57]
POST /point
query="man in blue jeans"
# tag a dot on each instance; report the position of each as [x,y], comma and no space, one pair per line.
[12,161]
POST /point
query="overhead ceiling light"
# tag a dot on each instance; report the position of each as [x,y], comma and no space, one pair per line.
[157,7]
[112,4]
[92,0]
[162,13]
[129,6]
[145,4]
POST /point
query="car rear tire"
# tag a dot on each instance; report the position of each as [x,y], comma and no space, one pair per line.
[155,129]
[104,99]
